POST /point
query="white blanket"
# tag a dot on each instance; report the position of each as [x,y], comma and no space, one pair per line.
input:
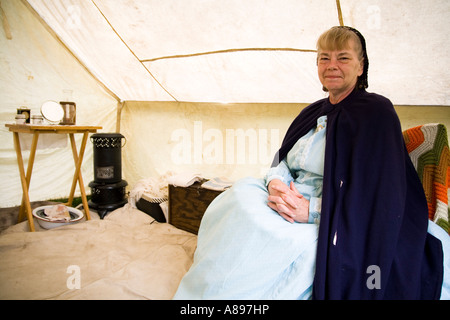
[127,255]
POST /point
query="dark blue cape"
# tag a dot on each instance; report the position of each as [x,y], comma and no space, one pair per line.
[373,241]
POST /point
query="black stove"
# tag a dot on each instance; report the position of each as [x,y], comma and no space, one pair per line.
[108,188]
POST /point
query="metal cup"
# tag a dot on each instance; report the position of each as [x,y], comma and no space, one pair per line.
[69,108]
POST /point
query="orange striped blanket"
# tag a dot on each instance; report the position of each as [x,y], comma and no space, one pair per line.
[428,149]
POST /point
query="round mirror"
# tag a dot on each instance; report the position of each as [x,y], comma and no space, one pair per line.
[52,111]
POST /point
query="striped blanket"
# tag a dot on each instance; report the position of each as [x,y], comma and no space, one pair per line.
[428,149]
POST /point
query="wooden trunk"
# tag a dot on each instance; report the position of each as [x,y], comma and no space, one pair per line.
[188,204]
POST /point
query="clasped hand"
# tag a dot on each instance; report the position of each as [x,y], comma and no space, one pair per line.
[287,201]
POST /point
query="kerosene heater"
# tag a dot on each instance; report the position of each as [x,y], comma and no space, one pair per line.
[108,188]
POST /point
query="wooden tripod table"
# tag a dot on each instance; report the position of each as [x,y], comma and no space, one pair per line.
[25,208]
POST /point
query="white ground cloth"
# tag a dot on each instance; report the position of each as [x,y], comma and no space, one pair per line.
[124,256]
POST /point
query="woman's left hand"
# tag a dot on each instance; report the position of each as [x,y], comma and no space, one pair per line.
[288,202]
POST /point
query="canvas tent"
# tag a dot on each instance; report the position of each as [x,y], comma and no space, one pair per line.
[203,85]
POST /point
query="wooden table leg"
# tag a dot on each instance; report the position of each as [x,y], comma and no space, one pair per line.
[23,178]
[78,159]
[28,176]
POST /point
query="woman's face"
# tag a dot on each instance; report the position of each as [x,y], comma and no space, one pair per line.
[339,70]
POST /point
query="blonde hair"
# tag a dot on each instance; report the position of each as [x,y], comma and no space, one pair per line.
[337,38]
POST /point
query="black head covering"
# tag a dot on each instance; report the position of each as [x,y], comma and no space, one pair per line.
[362,82]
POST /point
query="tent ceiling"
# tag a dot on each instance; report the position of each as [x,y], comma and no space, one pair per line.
[210,50]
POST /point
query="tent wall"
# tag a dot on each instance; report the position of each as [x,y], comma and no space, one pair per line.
[250,51]
[35,67]
[206,137]
[132,53]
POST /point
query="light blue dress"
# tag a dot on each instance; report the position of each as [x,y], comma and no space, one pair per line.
[245,249]
[304,165]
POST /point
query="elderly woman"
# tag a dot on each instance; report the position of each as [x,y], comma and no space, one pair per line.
[340,215]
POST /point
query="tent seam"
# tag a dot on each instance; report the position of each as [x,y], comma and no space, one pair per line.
[123,41]
[339,11]
[225,51]
[60,40]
